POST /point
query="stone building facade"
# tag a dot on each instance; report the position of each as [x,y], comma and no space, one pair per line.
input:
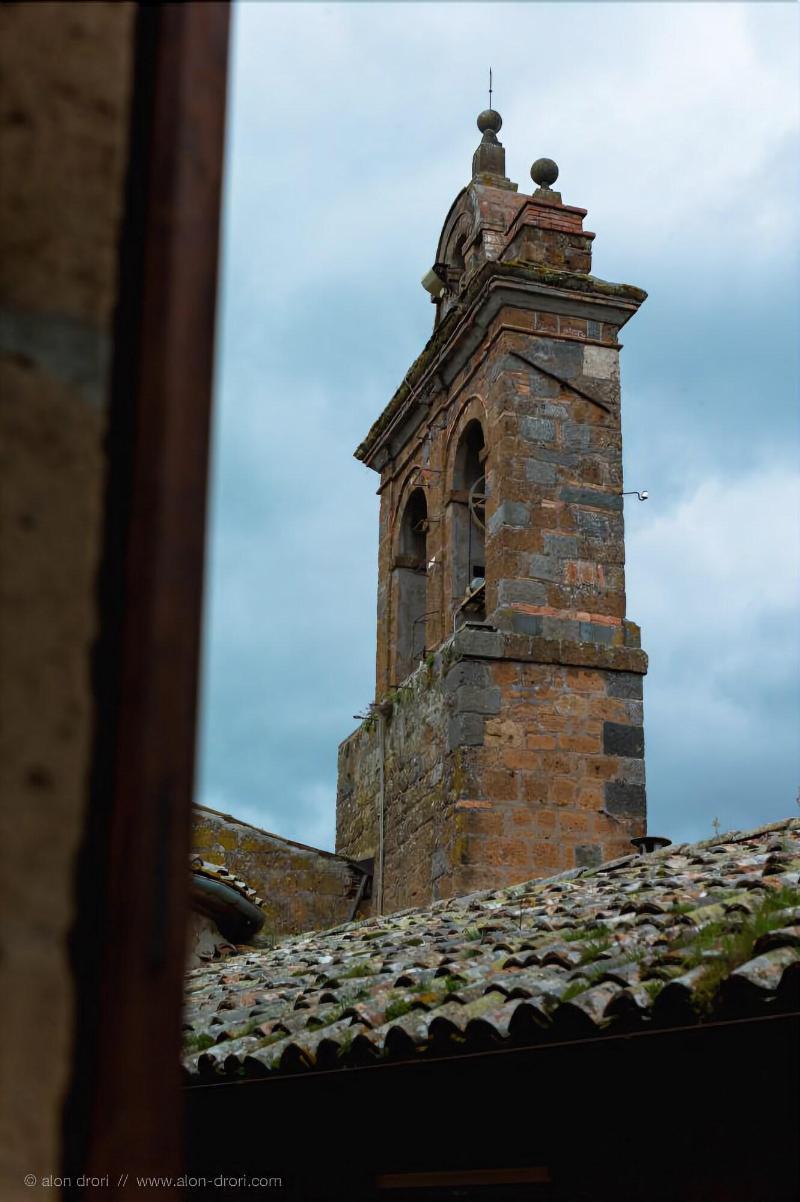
[506,740]
[302,888]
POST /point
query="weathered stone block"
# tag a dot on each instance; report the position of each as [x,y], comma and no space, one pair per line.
[466,673]
[540,473]
[560,628]
[563,358]
[465,730]
[619,739]
[564,546]
[633,635]
[526,623]
[537,429]
[469,699]
[600,362]
[626,801]
[485,644]
[576,437]
[544,386]
[593,632]
[588,855]
[567,458]
[544,567]
[588,496]
[625,685]
[630,770]
[521,592]
[595,526]
[509,513]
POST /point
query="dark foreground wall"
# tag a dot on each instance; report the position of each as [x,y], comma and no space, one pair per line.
[701,1114]
[64,149]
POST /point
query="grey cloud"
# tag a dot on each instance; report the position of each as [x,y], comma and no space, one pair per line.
[352,129]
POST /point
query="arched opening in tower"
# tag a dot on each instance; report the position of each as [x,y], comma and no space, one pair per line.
[456,265]
[412,582]
[469,539]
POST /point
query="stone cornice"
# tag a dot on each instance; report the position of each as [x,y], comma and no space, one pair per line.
[473,643]
[523,285]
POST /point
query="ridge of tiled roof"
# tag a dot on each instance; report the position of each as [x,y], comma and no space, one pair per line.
[688,934]
[218,872]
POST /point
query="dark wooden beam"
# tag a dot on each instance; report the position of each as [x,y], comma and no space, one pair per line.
[124,1112]
[532,1175]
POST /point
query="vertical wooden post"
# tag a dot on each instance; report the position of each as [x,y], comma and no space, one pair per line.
[124,1113]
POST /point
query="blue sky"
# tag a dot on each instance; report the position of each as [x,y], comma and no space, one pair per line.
[351,129]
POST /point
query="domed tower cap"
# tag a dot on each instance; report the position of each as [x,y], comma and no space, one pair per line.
[544,172]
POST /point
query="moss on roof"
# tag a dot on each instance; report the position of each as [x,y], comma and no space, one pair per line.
[691,933]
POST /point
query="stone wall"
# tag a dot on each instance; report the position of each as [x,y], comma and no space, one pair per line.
[302,888]
[421,780]
[64,127]
[502,761]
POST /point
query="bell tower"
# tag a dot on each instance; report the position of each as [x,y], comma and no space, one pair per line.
[506,738]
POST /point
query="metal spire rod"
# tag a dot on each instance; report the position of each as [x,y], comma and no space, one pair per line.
[490,87]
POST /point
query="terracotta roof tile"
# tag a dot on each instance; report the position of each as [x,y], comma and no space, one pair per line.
[685,934]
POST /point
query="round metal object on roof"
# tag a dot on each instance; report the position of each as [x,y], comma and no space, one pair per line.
[544,172]
[648,843]
[489,119]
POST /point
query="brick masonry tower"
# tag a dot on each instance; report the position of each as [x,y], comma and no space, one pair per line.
[506,739]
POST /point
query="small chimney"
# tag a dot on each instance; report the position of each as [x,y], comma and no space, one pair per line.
[648,843]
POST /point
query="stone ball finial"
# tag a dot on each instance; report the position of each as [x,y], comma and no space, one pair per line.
[544,172]
[489,119]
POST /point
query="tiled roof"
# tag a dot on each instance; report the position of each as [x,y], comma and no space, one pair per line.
[688,934]
[218,872]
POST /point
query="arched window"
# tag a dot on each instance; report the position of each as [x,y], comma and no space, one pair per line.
[411,568]
[469,486]
[456,265]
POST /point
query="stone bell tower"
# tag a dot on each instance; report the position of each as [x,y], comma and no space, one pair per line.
[506,739]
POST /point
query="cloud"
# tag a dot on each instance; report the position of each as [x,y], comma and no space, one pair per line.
[351,129]
[714,581]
